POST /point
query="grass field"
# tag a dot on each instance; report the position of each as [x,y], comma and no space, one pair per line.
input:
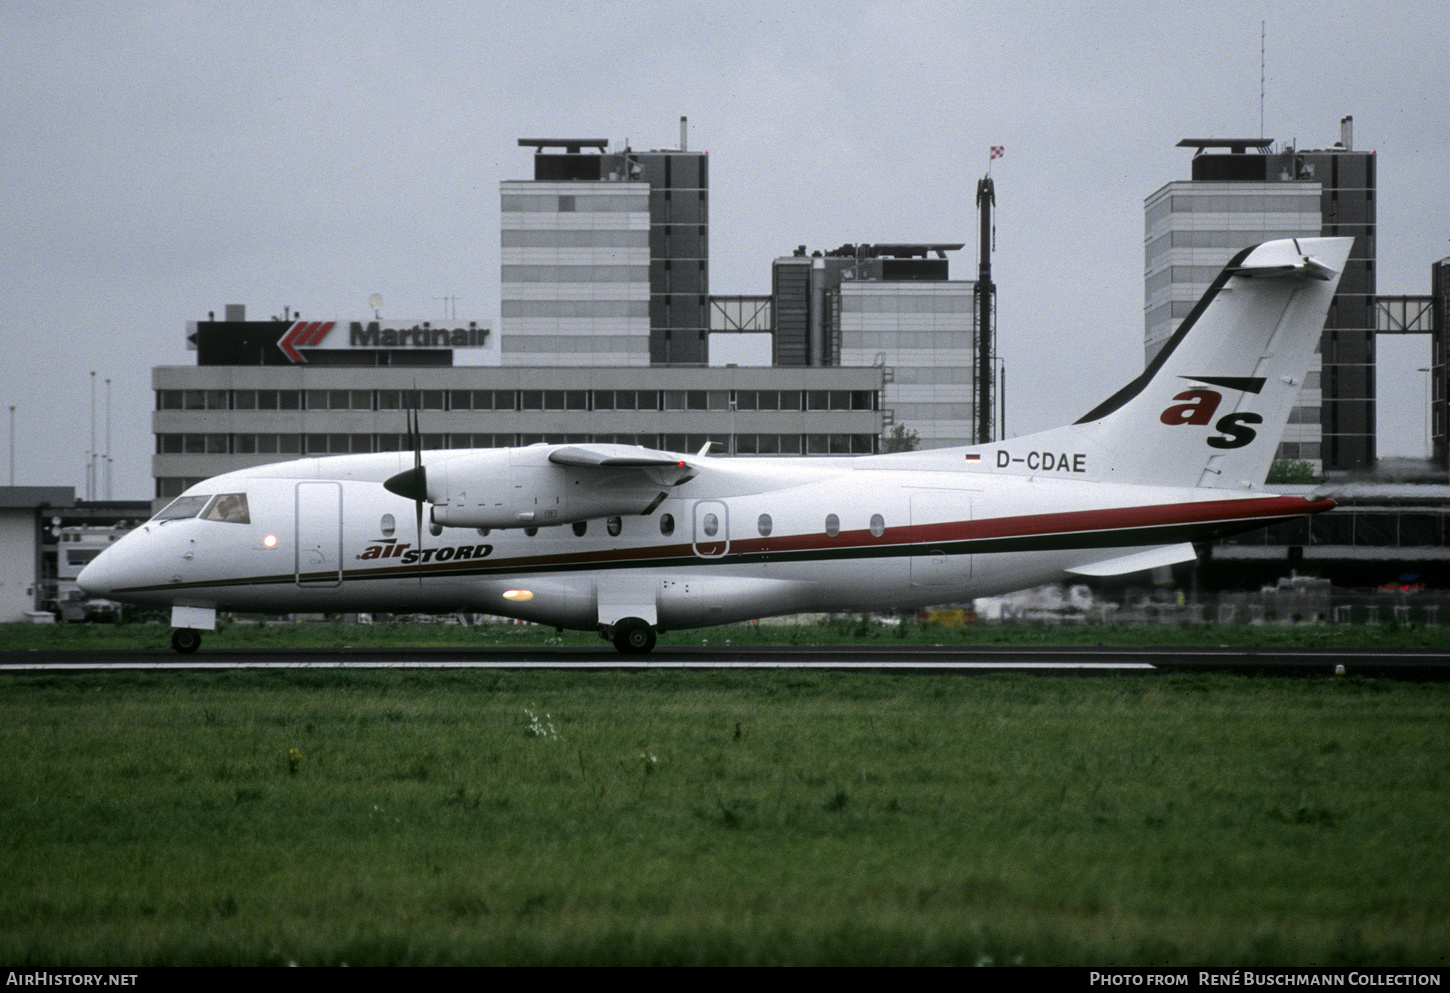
[847,631]
[670,817]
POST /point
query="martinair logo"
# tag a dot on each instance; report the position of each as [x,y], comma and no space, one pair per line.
[310,334]
[1198,406]
[303,334]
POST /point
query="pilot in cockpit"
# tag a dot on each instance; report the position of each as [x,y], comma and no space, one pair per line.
[229,507]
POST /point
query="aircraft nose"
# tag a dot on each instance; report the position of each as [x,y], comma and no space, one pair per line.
[99,575]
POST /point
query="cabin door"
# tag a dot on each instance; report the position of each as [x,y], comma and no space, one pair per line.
[937,520]
[319,534]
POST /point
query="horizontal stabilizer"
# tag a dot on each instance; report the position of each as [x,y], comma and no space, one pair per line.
[1277,259]
[1150,558]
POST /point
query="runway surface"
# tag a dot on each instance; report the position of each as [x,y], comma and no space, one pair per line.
[1394,664]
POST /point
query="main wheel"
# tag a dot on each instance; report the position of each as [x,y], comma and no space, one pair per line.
[634,636]
[185,640]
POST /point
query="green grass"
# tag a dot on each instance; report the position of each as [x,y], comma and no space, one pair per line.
[721,818]
[851,631]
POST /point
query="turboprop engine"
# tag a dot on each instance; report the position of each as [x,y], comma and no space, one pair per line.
[548,485]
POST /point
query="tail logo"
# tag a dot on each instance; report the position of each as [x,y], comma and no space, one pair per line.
[1236,430]
[1198,406]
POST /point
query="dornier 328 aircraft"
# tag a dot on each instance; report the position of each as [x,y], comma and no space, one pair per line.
[630,541]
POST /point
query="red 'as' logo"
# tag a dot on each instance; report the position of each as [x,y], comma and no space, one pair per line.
[1198,408]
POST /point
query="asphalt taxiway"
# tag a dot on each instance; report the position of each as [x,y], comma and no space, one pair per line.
[1378,663]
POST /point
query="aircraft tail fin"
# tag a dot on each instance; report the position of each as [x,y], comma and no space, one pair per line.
[1210,409]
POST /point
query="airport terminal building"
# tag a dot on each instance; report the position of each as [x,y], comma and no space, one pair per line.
[247,402]
[604,335]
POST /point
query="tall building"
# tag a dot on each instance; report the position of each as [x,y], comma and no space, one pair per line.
[888,305]
[1440,362]
[1244,191]
[606,257]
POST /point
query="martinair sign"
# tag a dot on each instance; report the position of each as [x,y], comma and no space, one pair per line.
[290,342]
[326,334]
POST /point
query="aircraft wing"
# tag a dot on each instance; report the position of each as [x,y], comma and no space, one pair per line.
[613,457]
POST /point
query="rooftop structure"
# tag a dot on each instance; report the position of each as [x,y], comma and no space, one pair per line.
[606,257]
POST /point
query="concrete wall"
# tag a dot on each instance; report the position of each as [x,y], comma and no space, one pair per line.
[17,563]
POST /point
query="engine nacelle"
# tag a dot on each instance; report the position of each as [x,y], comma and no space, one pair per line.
[521,487]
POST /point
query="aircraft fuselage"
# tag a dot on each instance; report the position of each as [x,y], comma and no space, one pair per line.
[744,538]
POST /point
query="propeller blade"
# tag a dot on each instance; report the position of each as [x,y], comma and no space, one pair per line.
[420,476]
[412,484]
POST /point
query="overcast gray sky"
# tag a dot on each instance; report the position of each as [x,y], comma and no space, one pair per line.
[161,160]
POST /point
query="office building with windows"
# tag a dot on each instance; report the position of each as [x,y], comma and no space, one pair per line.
[892,306]
[606,257]
[1244,191]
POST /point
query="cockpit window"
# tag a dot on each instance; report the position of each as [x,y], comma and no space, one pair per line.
[184,506]
[229,507]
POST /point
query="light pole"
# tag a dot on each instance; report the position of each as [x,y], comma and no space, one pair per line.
[108,439]
[91,458]
[732,423]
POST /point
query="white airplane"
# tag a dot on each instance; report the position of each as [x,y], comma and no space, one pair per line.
[630,541]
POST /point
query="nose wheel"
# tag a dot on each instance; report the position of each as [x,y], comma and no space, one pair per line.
[185,640]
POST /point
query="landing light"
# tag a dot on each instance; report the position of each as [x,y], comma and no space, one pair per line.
[518,595]
[270,541]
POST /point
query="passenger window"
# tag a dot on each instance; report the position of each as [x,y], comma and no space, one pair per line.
[833,525]
[388,525]
[764,525]
[580,527]
[614,525]
[229,507]
[878,525]
[667,524]
[711,525]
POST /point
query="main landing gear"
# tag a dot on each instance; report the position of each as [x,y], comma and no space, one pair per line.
[633,636]
[185,640]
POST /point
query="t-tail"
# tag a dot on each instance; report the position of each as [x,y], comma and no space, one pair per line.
[1210,409]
